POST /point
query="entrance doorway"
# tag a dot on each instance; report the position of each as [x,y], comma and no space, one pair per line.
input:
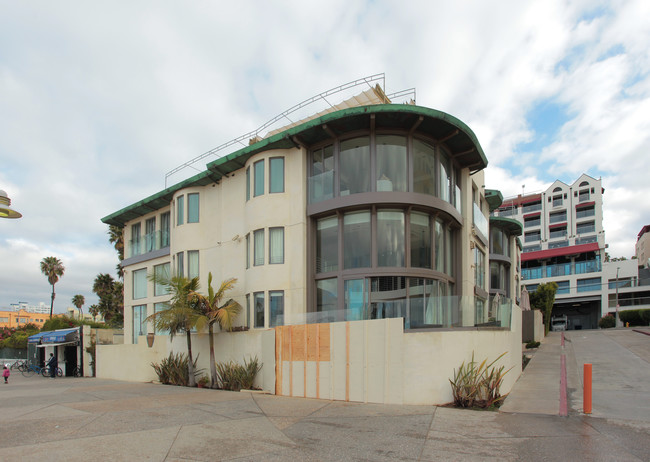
[70,358]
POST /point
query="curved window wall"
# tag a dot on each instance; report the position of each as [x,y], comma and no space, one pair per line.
[382,163]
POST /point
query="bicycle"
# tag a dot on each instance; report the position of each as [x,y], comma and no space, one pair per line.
[31,369]
[45,371]
[76,372]
[19,365]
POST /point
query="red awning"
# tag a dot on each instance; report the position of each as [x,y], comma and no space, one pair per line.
[585,204]
[559,252]
[534,214]
[557,225]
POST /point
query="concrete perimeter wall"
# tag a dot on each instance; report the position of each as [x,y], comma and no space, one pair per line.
[371,361]
[132,362]
[532,329]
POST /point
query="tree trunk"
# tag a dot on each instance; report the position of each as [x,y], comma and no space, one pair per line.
[52,302]
[190,361]
[213,366]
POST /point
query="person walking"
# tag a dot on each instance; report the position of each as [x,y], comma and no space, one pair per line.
[52,363]
[6,373]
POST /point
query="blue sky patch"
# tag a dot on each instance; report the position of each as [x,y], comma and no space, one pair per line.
[545,119]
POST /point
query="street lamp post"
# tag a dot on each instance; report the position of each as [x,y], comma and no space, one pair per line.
[616,323]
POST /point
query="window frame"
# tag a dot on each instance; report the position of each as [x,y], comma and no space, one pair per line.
[258,180]
[273,187]
[272,258]
[190,207]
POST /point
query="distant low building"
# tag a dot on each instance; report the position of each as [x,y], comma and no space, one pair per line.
[21,317]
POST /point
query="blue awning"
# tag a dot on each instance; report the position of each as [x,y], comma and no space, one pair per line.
[59,336]
[36,337]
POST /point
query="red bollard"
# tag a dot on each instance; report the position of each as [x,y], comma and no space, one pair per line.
[587,391]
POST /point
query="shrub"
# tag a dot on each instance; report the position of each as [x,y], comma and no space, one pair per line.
[532,344]
[173,370]
[645,316]
[607,322]
[477,385]
[631,316]
[233,376]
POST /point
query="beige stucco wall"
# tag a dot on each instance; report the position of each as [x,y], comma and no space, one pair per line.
[132,362]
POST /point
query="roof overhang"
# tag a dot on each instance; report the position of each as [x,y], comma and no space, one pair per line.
[559,252]
[494,198]
[459,139]
[513,227]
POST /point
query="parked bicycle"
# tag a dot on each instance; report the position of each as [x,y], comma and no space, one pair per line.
[46,371]
[32,369]
[19,365]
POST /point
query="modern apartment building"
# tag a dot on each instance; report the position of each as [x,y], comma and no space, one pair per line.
[370,211]
[21,317]
[564,242]
[642,247]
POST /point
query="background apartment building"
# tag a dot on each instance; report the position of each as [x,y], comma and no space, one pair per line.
[564,242]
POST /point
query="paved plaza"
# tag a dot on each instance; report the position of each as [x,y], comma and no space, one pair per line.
[81,419]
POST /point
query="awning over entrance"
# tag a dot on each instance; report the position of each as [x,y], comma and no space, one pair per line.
[55,337]
[55,344]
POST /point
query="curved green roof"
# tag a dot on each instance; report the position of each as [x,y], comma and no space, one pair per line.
[513,227]
[457,137]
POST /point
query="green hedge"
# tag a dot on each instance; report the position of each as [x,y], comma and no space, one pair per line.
[635,317]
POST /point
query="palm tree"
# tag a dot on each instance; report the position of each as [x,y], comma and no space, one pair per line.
[211,312]
[78,301]
[181,314]
[103,285]
[94,311]
[116,237]
[53,269]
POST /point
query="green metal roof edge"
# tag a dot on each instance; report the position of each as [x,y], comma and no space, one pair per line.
[159,195]
[509,223]
[519,244]
[282,137]
[282,141]
[494,198]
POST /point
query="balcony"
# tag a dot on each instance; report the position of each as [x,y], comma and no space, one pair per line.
[151,242]
[480,221]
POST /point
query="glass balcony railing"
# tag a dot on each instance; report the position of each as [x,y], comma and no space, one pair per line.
[436,313]
[592,266]
[321,187]
[480,221]
[147,243]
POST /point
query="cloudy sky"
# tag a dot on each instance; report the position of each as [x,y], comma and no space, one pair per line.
[99,100]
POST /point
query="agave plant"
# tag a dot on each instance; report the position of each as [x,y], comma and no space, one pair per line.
[478,385]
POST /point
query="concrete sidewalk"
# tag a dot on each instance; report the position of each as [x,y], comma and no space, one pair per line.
[81,419]
[621,375]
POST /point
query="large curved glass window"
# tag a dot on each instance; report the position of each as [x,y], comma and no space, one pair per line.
[391,163]
[321,181]
[424,168]
[355,166]
[439,246]
[390,238]
[327,239]
[420,240]
[445,177]
[356,240]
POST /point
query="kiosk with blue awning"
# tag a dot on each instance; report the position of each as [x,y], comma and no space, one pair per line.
[69,355]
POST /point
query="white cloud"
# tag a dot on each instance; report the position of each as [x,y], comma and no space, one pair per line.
[99,101]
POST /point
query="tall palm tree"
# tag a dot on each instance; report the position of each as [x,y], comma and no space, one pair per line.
[212,311]
[181,314]
[53,269]
[78,301]
[116,237]
[103,285]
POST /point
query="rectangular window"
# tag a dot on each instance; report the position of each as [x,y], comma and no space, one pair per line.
[248,183]
[439,249]
[558,232]
[150,234]
[326,295]
[356,240]
[321,181]
[164,230]
[276,308]
[562,287]
[532,221]
[391,163]
[479,268]
[557,200]
[424,168]
[420,240]
[248,250]
[276,245]
[258,300]
[355,166]
[139,323]
[161,274]
[587,227]
[390,238]
[180,265]
[276,175]
[531,207]
[445,178]
[136,248]
[258,250]
[327,238]
[192,264]
[584,195]
[557,217]
[140,284]
[258,167]
[180,210]
[587,285]
[584,212]
[193,208]
[532,236]
[247,316]
[157,308]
